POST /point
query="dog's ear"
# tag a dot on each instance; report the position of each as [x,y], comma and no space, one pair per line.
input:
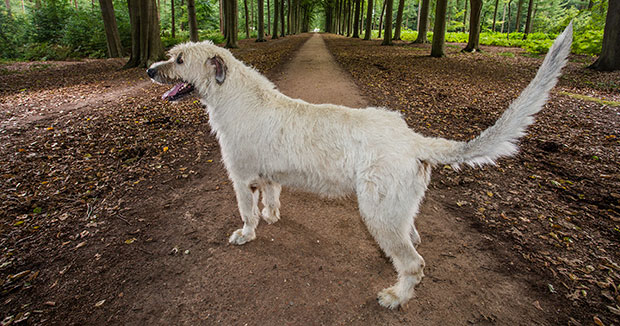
[220,69]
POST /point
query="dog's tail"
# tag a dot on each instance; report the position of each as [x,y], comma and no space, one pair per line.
[501,138]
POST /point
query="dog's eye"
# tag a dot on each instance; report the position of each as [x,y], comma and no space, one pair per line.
[179,59]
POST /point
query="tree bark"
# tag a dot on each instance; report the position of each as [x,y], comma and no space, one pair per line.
[495,14]
[268,29]
[528,21]
[465,17]
[387,37]
[172,26]
[222,28]
[356,25]
[191,17]
[609,59]
[473,44]
[439,30]
[361,21]
[423,22]
[508,25]
[380,27]
[274,34]
[261,22]
[282,18]
[288,17]
[115,49]
[518,21]
[230,22]
[247,19]
[146,45]
[368,31]
[399,19]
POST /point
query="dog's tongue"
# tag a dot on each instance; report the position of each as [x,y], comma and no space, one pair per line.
[172,92]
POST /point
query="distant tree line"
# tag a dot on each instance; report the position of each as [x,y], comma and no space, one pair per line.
[56,29]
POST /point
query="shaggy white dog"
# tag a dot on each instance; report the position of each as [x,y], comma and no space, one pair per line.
[268,139]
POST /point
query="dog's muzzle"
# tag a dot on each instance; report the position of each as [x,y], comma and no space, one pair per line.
[151,72]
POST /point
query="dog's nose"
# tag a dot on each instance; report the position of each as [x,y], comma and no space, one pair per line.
[151,72]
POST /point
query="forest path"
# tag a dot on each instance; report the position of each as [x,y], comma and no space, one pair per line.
[318,265]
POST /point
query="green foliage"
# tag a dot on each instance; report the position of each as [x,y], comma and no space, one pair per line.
[48,21]
[92,44]
[45,51]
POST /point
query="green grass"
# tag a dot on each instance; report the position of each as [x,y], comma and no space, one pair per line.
[591,99]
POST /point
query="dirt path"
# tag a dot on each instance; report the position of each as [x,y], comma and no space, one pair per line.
[318,265]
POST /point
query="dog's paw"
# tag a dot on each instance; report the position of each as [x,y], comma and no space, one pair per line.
[388,298]
[271,215]
[239,238]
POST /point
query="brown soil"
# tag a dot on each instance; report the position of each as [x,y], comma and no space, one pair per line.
[117,211]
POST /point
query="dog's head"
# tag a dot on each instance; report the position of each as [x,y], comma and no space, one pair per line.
[190,66]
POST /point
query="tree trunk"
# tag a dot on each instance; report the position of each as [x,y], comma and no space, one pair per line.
[387,37]
[230,21]
[247,19]
[528,21]
[348,16]
[495,14]
[399,19]
[518,22]
[172,27]
[288,17]
[115,49]
[439,30]
[368,31]
[465,17]
[282,18]
[473,44]
[361,22]
[274,33]
[356,22]
[146,45]
[222,28]
[380,27]
[503,19]
[423,22]
[508,25]
[609,59]
[268,29]
[261,22]
[191,18]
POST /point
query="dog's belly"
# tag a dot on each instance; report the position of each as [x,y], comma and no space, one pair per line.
[338,186]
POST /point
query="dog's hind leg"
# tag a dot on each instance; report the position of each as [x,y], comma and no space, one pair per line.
[271,201]
[389,220]
[247,200]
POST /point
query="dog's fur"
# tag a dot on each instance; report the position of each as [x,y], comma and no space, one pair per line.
[268,139]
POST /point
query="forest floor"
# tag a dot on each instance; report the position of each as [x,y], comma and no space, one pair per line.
[116,209]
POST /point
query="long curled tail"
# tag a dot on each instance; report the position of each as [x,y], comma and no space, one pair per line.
[501,138]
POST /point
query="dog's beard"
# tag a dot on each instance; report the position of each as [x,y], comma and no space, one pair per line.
[177,92]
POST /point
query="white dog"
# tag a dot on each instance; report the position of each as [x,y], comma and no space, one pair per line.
[268,139]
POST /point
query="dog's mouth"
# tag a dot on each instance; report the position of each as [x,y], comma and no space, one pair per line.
[178,92]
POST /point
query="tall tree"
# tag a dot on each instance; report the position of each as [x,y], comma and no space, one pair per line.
[387,38]
[357,19]
[465,17]
[439,30]
[282,18]
[115,49]
[495,14]
[172,27]
[369,11]
[191,17]
[361,22]
[518,22]
[399,19]
[222,28]
[268,29]
[146,45]
[247,19]
[528,21]
[473,44]
[609,59]
[230,22]
[261,22]
[423,22]
[274,33]
[380,27]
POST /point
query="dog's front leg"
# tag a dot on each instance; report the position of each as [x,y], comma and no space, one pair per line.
[247,200]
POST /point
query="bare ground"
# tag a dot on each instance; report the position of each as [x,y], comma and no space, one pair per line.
[116,209]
